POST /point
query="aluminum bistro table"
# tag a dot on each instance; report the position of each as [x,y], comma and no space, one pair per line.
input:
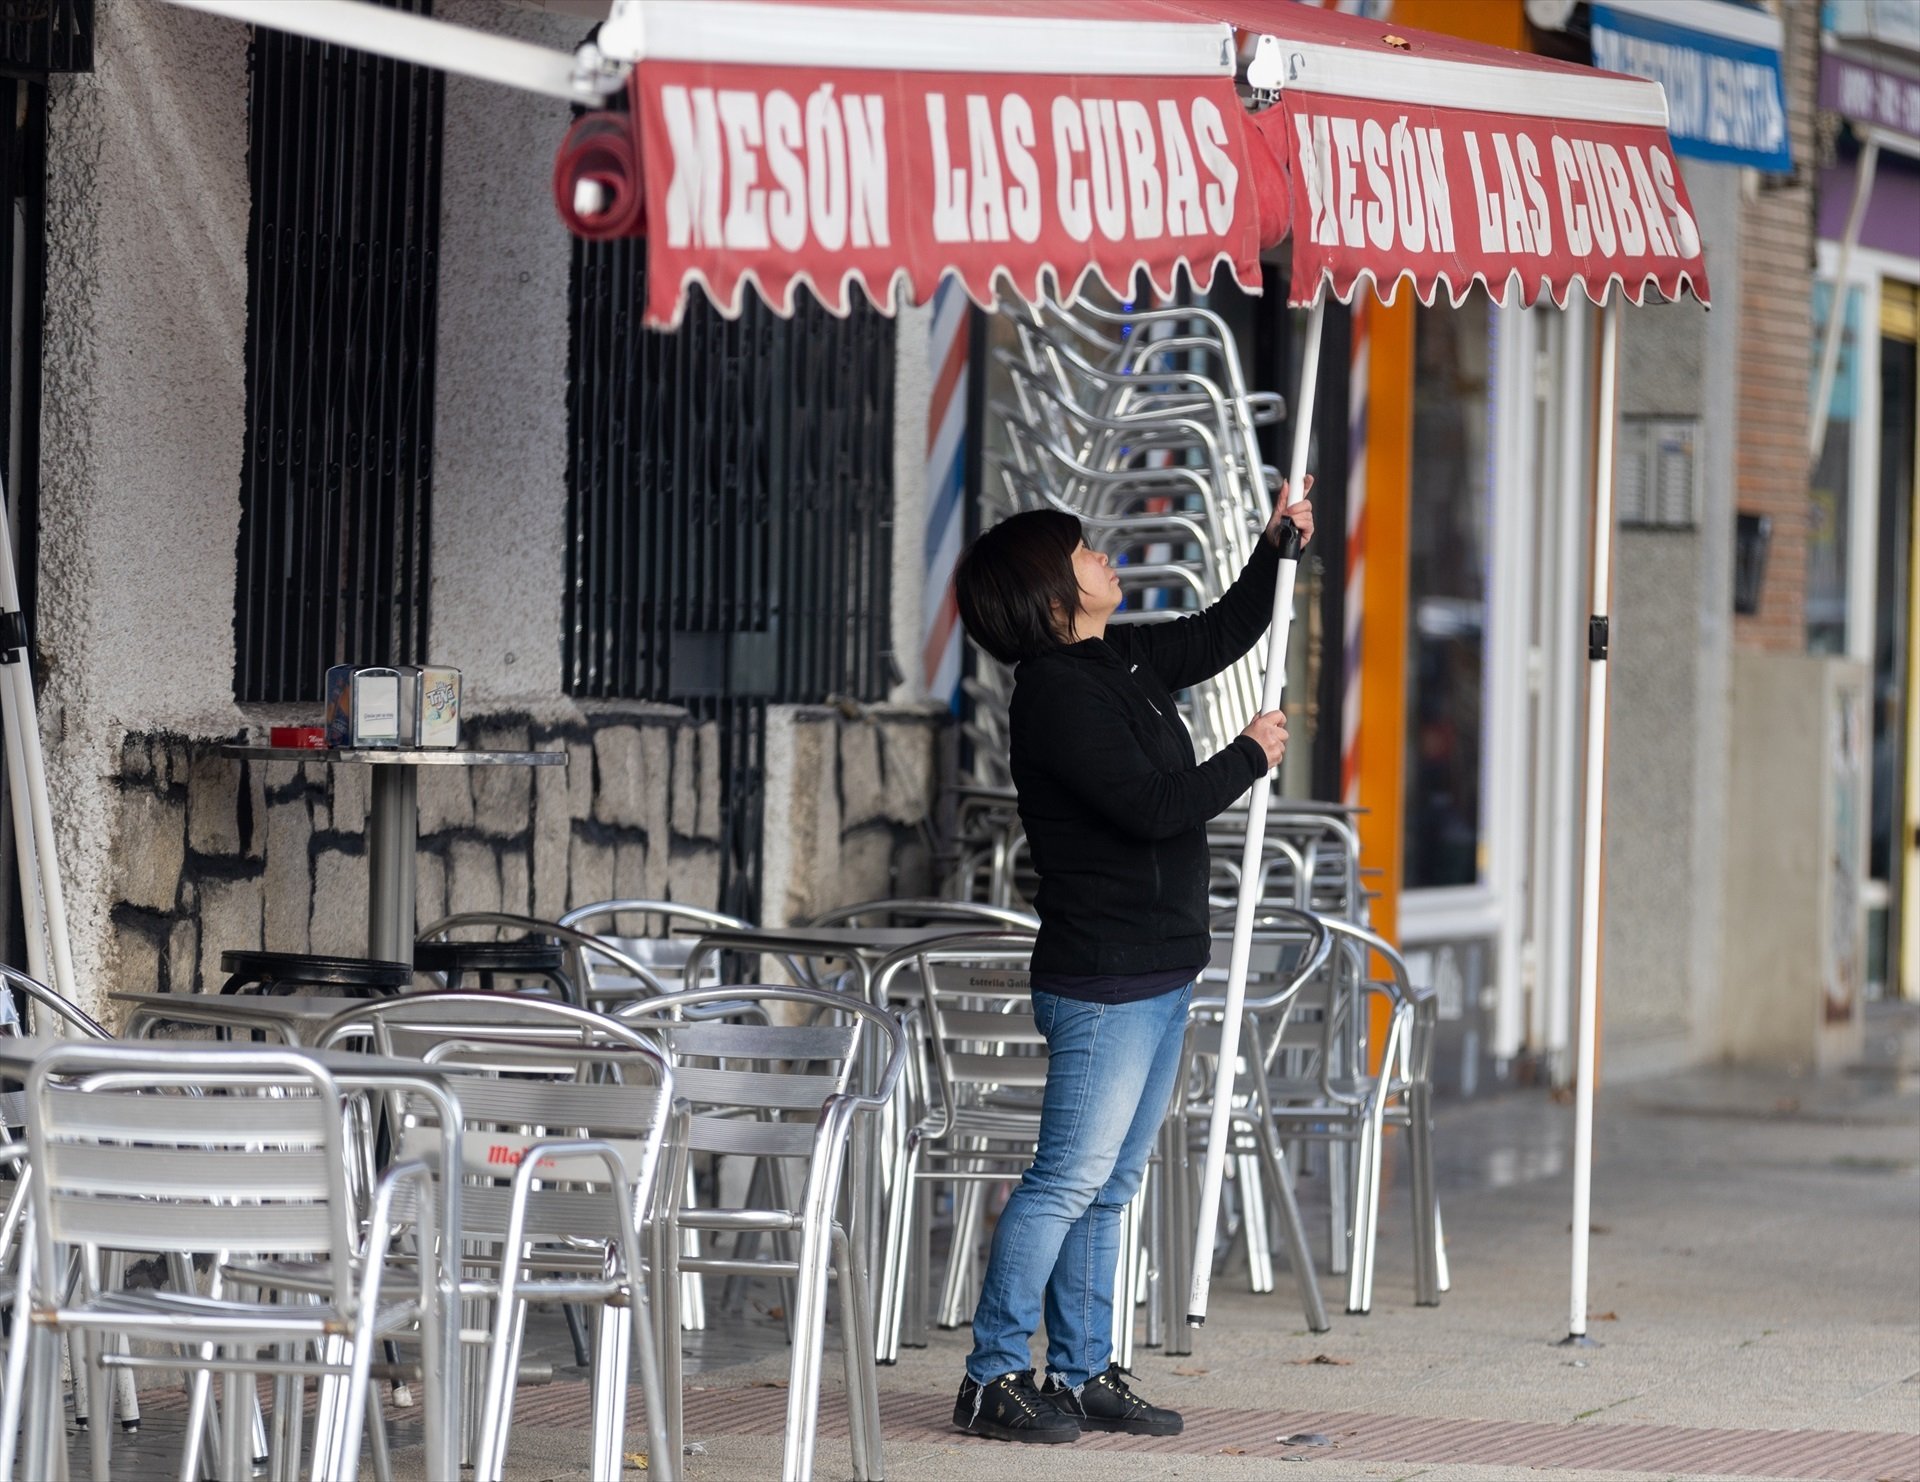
[865,947]
[295,1018]
[353,1071]
[393,823]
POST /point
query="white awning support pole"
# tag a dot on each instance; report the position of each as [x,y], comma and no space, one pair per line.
[1588,1044]
[1863,174]
[579,78]
[1273,689]
[35,854]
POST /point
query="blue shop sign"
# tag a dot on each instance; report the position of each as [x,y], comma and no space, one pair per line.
[1720,65]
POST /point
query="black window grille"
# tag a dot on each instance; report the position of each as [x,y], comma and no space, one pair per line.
[344,162]
[23,277]
[729,497]
[42,36]
[730,517]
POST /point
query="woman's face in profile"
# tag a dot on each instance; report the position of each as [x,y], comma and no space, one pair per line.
[1099,583]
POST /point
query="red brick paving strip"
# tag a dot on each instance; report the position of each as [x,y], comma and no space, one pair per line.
[1817,1456]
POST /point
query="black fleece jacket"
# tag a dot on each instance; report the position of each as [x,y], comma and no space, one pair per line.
[1114,804]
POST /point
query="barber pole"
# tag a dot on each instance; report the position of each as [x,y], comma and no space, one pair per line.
[946,491]
[1352,603]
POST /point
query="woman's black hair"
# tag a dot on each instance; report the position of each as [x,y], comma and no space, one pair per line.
[1015,584]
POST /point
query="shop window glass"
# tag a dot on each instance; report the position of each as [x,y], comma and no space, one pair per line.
[1447,597]
[1829,507]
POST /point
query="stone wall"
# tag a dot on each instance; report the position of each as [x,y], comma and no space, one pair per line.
[213,854]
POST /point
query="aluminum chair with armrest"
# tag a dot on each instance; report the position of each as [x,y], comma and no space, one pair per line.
[785,1092]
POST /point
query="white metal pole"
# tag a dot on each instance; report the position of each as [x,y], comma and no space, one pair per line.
[1574,371]
[1596,780]
[26,858]
[25,730]
[1863,172]
[1275,686]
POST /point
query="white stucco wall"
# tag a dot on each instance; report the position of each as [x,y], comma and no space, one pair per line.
[500,458]
[144,414]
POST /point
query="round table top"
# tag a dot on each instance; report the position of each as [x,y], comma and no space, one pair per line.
[392,756]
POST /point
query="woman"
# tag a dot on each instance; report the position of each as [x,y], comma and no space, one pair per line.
[1115,808]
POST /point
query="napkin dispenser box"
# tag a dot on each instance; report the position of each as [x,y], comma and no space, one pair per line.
[369,707]
[436,706]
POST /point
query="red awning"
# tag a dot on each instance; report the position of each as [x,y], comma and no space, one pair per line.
[1033,144]
[1415,157]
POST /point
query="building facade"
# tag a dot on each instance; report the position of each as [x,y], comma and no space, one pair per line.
[325,380]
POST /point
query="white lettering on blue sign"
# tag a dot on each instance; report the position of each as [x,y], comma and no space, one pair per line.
[1725,99]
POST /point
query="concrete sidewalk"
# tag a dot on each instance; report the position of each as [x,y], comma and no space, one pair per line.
[1755,1292]
[1756,1270]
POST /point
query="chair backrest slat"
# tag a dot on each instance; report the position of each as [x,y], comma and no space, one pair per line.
[757,1089]
[214,1120]
[750,1138]
[552,1214]
[520,1101]
[162,1172]
[154,1225]
[760,1041]
[997,1070]
[499,1155]
[1012,1027]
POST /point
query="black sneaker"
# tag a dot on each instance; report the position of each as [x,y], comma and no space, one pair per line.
[1105,1403]
[1011,1409]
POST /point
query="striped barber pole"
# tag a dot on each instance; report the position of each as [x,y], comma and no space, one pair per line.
[946,490]
[1356,575]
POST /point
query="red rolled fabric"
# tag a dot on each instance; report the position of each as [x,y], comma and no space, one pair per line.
[602,149]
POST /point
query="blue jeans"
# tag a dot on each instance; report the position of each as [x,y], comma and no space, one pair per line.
[1109,1082]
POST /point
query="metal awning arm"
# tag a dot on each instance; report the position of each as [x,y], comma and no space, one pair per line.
[585,76]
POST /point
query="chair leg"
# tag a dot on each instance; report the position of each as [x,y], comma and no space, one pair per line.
[379,1447]
[643,1327]
[919,1274]
[693,1292]
[13,1401]
[1426,1238]
[863,1390]
[1295,1229]
[803,1382]
[1253,1220]
[236,1438]
[577,1332]
[1444,1276]
[894,1253]
[1342,1168]
[969,1215]
[663,1248]
[1362,1210]
[45,1423]
[502,1381]
[1153,1284]
[611,1354]
[1181,1255]
[849,1347]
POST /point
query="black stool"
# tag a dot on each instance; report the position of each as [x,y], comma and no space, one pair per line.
[484,960]
[306,972]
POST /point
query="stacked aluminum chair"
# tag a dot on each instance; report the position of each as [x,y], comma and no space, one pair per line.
[1141,425]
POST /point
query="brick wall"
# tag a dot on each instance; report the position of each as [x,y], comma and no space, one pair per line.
[1776,353]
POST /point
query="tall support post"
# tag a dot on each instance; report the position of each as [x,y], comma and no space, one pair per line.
[1588,1045]
[41,893]
[1274,687]
[1863,173]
